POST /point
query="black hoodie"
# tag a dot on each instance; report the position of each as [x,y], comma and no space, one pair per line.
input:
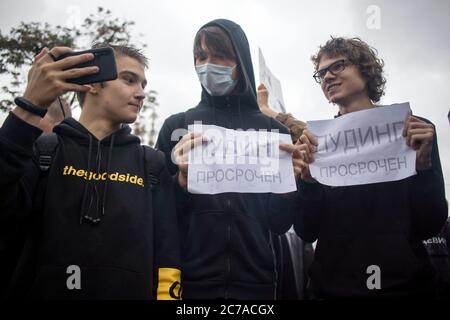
[122,255]
[226,250]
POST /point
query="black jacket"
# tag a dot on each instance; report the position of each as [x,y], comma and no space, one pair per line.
[226,250]
[122,255]
[438,248]
[380,224]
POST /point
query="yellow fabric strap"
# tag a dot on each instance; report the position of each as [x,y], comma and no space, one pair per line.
[169,284]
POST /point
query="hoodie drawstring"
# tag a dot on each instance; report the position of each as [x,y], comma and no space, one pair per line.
[96,183]
[84,215]
[111,146]
[86,184]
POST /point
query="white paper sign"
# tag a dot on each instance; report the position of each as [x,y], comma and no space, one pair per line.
[272,84]
[240,161]
[363,147]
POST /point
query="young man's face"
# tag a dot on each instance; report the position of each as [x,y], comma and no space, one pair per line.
[342,86]
[123,98]
[208,57]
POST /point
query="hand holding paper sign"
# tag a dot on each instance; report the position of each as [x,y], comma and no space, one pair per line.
[419,136]
[181,154]
[272,85]
[262,96]
[302,155]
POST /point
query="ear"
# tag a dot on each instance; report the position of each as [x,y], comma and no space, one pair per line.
[93,88]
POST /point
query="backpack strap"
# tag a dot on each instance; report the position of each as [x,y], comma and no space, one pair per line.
[44,152]
[154,164]
[25,270]
[45,149]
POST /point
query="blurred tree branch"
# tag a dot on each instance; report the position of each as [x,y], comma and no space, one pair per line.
[24,42]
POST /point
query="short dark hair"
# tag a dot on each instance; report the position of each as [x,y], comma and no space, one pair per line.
[119,50]
[363,56]
[216,40]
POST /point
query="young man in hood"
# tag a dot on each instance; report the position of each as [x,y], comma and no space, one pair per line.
[226,238]
[381,224]
[103,225]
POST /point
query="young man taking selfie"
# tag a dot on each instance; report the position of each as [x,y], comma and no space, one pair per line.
[98,211]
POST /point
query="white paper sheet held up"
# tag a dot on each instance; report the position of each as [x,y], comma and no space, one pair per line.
[273,85]
[240,161]
[363,147]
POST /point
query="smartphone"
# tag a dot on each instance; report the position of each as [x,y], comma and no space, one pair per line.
[103,58]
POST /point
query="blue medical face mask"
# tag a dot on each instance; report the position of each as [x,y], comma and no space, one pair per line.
[216,79]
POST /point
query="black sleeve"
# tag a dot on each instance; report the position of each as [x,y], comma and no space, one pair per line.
[309,209]
[167,139]
[280,211]
[167,246]
[18,172]
[427,198]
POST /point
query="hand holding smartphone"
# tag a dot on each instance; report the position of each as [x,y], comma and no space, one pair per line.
[104,59]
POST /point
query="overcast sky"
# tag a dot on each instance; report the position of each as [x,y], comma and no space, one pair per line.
[412,37]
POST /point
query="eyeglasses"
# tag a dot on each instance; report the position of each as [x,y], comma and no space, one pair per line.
[334,69]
